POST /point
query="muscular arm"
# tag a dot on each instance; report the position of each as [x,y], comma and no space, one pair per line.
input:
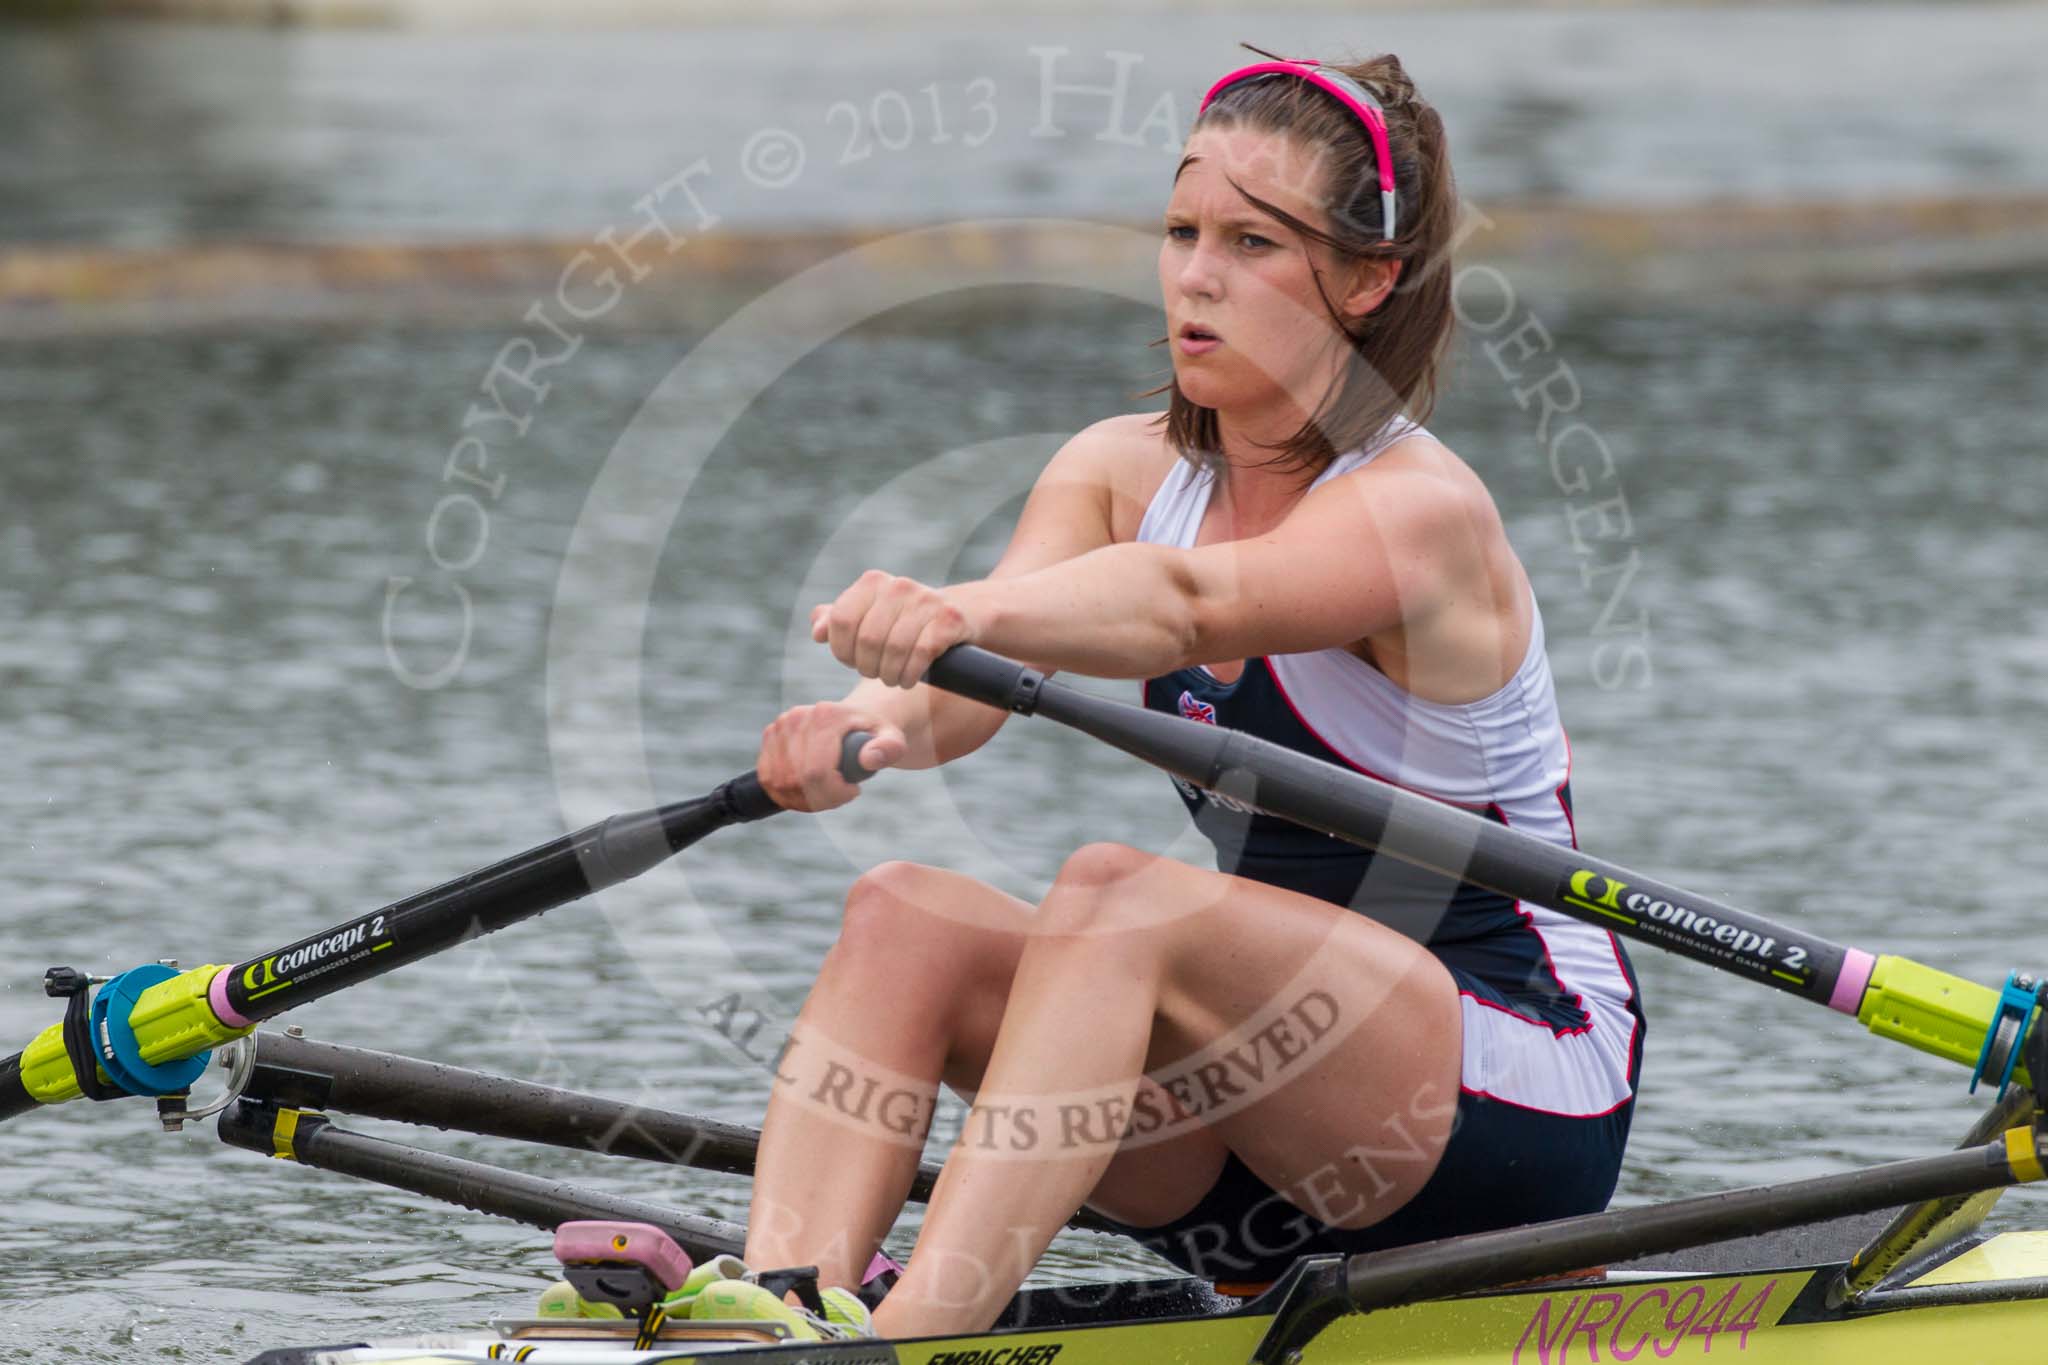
[1067,514]
[1344,565]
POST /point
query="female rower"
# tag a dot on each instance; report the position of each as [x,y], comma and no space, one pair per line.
[1308,1050]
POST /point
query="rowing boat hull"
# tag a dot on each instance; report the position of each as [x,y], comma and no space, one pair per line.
[1973,1307]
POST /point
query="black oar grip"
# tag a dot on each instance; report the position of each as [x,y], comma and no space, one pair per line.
[849,757]
[984,677]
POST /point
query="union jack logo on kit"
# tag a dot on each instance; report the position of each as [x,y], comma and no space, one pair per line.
[1197,710]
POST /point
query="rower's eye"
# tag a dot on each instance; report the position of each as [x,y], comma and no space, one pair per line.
[1249,241]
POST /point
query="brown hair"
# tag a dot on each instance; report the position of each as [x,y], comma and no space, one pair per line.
[1396,349]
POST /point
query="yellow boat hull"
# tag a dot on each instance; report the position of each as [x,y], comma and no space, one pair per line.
[1997,1292]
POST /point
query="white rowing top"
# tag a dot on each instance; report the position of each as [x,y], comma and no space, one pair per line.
[1505,752]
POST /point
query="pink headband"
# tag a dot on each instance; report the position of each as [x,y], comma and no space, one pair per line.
[1346,92]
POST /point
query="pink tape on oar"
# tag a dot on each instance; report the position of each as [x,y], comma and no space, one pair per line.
[1849,986]
[217,997]
[881,1265]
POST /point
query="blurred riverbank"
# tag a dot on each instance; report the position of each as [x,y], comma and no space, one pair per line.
[136,134]
[196,174]
[55,290]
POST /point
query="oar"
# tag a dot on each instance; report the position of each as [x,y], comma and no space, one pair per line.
[302,1073]
[331,1077]
[1893,996]
[538,1201]
[150,1028]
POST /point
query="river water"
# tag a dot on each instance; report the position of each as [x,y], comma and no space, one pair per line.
[1803,676]
[145,134]
[1835,514]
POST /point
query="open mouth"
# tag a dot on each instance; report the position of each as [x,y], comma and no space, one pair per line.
[1194,331]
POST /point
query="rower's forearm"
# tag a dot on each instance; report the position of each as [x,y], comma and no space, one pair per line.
[1123,611]
[937,726]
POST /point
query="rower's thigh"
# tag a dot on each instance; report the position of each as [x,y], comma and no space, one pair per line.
[1322,1047]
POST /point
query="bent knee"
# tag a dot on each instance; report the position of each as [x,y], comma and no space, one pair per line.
[899,911]
[1104,864]
[1100,886]
[904,898]
[888,885]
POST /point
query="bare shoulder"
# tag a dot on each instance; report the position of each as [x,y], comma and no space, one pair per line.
[1432,488]
[1115,444]
[1433,514]
[1449,517]
[1081,499]
[1125,455]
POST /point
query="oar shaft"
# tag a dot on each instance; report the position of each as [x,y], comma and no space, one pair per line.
[311,1140]
[1415,829]
[482,902]
[303,1073]
[14,1096]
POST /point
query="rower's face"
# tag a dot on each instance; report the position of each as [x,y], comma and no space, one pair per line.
[1245,276]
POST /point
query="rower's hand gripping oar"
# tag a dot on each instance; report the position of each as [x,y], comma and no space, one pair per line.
[1893,996]
[149,1031]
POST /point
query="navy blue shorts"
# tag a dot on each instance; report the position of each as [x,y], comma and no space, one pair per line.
[1503,1166]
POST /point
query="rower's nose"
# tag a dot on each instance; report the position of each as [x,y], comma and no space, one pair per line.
[1199,276]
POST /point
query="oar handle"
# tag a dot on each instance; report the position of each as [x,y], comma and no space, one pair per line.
[978,675]
[849,757]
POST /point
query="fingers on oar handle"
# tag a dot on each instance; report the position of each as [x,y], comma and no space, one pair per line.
[749,800]
[849,757]
[985,677]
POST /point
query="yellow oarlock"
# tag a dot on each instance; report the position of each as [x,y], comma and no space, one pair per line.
[172,1021]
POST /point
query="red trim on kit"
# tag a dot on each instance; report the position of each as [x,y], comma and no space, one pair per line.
[1578,998]
[1635,1034]
[1635,1030]
[1550,964]
[1345,758]
[1635,998]
[1562,804]
[1553,1113]
[1515,1014]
